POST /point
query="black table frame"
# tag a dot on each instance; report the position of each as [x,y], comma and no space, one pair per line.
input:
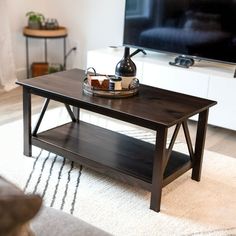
[160,162]
[45,49]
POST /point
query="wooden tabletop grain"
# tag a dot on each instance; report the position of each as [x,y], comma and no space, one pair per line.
[152,105]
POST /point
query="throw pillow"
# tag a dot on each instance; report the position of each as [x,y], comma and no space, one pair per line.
[16,209]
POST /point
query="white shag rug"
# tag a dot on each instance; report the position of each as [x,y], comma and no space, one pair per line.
[188,207]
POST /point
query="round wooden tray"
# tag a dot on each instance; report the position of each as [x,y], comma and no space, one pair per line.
[43,33]
[124,93]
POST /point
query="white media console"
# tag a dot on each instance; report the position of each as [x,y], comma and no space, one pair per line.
[204,79]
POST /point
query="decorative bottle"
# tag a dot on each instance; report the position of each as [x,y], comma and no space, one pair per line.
[126,69]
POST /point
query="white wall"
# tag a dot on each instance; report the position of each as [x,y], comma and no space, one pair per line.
[91,24]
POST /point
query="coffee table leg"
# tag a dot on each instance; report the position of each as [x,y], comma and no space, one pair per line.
[157,173]
[27,122]
[199,145]
[76,112]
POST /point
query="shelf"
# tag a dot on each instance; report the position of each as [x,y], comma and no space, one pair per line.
[109,152]
[40,33]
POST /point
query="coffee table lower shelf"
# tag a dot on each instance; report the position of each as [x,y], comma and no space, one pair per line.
[114,154]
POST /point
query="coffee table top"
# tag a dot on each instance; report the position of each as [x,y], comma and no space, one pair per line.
[151,108]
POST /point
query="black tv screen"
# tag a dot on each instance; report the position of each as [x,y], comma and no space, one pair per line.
[197,28]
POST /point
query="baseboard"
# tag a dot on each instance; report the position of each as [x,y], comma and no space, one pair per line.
[21,73]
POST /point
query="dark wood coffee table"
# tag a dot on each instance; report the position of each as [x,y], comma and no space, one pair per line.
[128,159]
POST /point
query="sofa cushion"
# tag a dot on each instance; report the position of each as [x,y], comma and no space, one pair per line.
[57,223]
[16,209]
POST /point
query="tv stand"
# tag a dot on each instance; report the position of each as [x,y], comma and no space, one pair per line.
[207,79]
[182,61]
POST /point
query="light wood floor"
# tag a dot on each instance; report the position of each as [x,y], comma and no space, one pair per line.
[218,140]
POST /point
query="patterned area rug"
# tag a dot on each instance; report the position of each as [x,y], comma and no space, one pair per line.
[52,175]
[188,207]
[56,180]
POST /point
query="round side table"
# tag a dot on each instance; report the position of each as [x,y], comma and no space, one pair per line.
[61,32]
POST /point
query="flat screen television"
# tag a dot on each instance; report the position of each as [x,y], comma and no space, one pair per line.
[196,28]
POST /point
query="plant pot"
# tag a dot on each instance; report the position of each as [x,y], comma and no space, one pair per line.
[34,24]
[54,67]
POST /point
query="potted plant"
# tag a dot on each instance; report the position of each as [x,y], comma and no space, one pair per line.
[55,67]
[35,19]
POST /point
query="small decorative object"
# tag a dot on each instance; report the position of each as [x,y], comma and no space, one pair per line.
[51,24]
[35,19]
[98,81]
[126,69]
[115,83]
[108,85]
[39,68]
[54,67]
